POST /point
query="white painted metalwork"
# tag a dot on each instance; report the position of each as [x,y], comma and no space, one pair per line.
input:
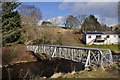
[88,56]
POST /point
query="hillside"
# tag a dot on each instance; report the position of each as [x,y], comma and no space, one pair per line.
[50,35]
[57,36]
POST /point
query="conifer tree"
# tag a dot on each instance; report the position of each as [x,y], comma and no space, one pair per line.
[10,22]
[91,24]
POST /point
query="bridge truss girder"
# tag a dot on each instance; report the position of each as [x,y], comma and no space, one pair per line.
[88,56]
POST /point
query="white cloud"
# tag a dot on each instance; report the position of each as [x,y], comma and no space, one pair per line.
[110,21]
[58,20]
[63,0]
[101,8]
[91,0]
[107,11]
[63,6]
[39,0]
[107,20]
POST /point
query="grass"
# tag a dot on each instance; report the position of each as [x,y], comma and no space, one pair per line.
[16,54]
[91,74]
[114,47]
[98,73]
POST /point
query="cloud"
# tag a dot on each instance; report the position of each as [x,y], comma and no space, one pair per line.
[58,20]
[107,11]
[101,8]
[38,0]
[107,20]
[64,5]
[91,0]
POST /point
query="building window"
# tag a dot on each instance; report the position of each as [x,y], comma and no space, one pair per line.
[89,36]
[108,36]
[98,36]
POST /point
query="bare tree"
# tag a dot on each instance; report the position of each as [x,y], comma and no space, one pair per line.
[71,21]
[81,19]
[30,14]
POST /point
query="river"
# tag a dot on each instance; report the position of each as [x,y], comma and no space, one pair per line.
[40,68]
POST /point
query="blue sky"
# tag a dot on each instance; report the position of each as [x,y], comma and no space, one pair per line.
[106,12]
[49,9]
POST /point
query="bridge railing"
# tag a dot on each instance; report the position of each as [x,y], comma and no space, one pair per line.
[88,56]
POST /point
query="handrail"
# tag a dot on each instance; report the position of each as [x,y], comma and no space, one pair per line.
[73,47]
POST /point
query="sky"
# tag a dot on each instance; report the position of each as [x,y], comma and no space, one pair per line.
[65,0]
[106,12]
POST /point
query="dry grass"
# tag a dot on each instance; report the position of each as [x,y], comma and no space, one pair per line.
[16,54]
[50,35]
[98,73]
[41,35]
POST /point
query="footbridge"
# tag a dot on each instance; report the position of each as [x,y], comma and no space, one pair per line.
[88,56]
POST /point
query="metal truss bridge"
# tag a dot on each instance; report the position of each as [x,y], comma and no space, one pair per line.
[88,56]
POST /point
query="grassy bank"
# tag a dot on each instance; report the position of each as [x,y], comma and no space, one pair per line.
[99,73]
[16,54]
[114,48]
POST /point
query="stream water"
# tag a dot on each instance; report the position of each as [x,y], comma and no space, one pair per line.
[42,68]
[39,68]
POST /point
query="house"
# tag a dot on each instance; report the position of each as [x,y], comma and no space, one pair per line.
[99,38]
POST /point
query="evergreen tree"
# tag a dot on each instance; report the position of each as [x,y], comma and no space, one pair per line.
[10,22]
[91,24]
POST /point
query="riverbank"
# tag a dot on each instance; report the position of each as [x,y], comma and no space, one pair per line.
[57,69]
[17,58]
[16,54]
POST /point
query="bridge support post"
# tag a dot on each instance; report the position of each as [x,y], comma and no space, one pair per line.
[88,59]
[111,58]
[54,52]
[36,49]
